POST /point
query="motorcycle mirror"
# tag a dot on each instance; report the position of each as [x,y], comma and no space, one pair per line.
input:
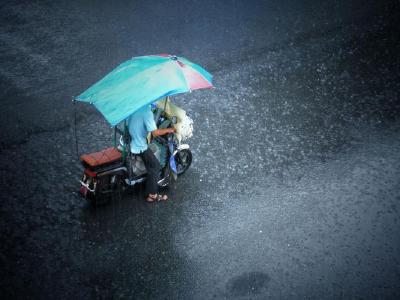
[174,120]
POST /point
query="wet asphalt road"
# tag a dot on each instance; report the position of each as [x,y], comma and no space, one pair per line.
[294,190]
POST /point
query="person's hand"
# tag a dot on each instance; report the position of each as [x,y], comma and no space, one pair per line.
[171,130]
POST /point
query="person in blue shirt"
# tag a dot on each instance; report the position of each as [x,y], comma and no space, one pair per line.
[140,124]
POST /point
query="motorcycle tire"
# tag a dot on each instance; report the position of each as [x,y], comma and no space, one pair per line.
[183,160]
[107,188]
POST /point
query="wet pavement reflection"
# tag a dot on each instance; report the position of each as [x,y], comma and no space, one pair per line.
[293,191]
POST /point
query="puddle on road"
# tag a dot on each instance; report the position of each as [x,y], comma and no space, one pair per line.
[247,284]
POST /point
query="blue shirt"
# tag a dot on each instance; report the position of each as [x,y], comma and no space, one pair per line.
[140,124]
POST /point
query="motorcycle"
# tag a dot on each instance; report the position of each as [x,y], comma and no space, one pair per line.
[110,172]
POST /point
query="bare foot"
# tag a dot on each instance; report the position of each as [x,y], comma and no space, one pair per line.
[162,198]
[152,198]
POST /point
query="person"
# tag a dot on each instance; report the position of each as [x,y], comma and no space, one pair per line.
[139,125]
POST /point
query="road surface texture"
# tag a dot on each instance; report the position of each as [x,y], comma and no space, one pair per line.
[294,191]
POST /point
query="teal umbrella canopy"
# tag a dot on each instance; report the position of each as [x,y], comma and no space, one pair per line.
[141,81]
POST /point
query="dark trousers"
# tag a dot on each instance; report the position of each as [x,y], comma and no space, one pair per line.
[153,168]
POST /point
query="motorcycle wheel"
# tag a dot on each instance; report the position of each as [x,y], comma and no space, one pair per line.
[183,160]
[107,188]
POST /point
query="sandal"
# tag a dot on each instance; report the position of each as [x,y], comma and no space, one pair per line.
[156,197]
[152,198]
[162,197]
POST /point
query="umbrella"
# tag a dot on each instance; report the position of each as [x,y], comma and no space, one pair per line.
[141,81]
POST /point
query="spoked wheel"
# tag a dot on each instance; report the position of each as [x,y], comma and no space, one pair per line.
[183,160]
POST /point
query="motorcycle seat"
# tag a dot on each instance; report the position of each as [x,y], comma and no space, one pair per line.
[101,158]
